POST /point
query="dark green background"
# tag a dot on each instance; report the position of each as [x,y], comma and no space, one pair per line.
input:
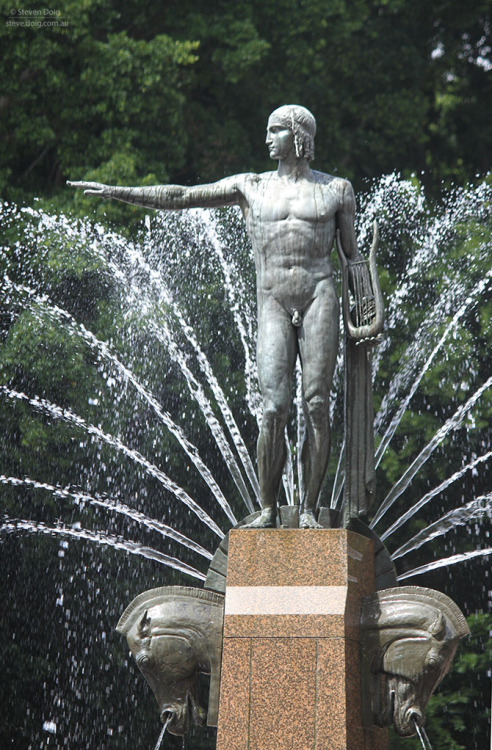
[180,91]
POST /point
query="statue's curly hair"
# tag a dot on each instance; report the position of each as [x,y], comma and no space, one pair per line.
[303,126]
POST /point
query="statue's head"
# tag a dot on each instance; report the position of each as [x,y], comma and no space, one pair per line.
[301,123]
[409,637]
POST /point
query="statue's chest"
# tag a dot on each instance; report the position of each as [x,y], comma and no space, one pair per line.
[282,200]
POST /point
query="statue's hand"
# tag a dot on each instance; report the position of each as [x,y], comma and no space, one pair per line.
[92,188]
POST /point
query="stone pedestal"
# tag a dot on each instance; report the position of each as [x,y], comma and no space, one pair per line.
[290,664]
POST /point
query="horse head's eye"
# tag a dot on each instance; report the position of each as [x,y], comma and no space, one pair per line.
[143,659]
[432,662]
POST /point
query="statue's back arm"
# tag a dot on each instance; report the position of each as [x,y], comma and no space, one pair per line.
[345,212]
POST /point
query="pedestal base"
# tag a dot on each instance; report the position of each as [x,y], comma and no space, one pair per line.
[290,664]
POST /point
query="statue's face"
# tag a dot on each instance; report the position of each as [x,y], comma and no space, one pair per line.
[279,139]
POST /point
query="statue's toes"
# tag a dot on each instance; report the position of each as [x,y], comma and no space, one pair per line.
[266,520]
[308,521]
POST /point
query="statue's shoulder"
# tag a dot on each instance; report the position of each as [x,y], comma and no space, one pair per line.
[338,187]
[252,183]
[256,179]
[322,178]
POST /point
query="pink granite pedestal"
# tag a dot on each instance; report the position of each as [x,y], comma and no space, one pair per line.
[290,666]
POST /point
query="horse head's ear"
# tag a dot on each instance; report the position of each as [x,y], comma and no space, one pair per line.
[144,625]
[438,627]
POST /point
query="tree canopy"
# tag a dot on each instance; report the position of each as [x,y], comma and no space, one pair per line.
[180,91]
[145,92]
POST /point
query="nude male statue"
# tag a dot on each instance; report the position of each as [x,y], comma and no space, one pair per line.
[291,216]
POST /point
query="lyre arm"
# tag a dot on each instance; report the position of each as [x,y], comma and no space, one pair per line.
[373,329]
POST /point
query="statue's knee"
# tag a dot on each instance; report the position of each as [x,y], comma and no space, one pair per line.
[275,413]
[318,408]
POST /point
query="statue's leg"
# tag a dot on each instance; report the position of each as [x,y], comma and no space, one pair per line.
[318,346]
[276,355]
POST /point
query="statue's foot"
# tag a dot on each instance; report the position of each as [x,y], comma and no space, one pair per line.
[266,520]
[308,521]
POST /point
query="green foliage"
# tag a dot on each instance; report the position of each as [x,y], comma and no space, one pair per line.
[180,92]
[372,73]
[139,93]
[79,97]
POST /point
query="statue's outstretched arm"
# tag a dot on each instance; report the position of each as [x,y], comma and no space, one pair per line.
[226,192]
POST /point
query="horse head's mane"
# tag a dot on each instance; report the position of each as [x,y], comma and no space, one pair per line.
[430,598]
[156,596]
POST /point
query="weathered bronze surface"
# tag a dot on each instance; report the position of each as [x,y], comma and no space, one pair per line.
[175,633]
[292,216]
[408,637]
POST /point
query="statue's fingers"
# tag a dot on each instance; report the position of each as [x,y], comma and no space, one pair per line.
[92,191]
[80,184]
[86,185]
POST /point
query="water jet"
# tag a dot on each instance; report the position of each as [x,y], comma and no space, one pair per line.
[78,564]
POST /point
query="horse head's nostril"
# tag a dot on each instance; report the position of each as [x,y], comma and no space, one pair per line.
[416,718]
